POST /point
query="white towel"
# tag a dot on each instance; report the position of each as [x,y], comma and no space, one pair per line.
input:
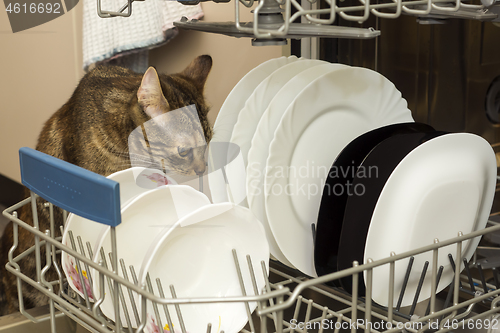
[149,26]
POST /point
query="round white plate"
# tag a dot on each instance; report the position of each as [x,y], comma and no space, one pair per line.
[228,115]
[196,258]
[235,101]
[321,121]
[142,220]
[223,156]
[250,115]
[137,180]
[443,187]
[133,182]
[264,134]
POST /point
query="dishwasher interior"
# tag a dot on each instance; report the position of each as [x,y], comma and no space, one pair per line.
[445,58]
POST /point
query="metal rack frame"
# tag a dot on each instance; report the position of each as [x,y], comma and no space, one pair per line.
[290,302]
[288,292]
[311,17]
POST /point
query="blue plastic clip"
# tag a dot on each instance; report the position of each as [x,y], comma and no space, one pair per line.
[70,187]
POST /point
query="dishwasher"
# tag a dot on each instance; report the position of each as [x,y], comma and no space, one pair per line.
[290,301]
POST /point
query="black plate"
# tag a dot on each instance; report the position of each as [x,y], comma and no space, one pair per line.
[359,208]
[335,192]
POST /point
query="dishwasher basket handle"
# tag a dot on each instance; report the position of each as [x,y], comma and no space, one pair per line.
[70,187]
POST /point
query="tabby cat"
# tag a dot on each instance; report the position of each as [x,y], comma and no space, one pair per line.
[91,131]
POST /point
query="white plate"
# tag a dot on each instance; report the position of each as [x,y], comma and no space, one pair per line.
[322,120]
[264,134]
[250,115]
[235,101]
[223,156]
[228,114]
[196,258]
[137,180]
[142,220]
[443,186]
[133,182]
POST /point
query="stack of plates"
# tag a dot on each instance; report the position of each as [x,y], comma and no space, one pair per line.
[175,235]
[291,118]
[305,130]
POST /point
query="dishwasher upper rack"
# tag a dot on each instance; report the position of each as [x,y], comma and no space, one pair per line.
[289,302]
[276,19]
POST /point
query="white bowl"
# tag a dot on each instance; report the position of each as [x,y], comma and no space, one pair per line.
[143,219]
[196,258]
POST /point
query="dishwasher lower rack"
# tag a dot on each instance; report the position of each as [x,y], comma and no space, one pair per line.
[289,302]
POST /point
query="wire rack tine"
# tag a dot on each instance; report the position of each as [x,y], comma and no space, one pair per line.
[457,274]
[53,248]
[108,279]
[279,315]
[165,307]
[405,283]
[100,300]
[48,264]
[254,279]
[354,304]
[124,306]
[87,268]
[144,312]
[155,305]
[469,276]
[481,276]
[323,318]
[438,277]
[79,268]
[390,301]
[452,262]
[308,312]
[130,293]
[178,309]
[368,297]
[297,311]
[243,291]
[268,289]
[434,280]
[419,288]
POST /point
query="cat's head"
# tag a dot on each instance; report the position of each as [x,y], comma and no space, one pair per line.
[175,125]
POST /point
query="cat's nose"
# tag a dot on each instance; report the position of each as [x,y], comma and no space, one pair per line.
[199,169]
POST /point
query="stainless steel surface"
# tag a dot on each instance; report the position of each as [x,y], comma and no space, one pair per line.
[296,30]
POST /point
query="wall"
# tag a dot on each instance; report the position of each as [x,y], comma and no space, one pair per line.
[40,67]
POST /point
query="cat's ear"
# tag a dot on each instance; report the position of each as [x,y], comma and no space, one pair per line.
[150,96]
[198,70]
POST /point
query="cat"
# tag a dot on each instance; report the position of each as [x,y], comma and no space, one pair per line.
[91,130]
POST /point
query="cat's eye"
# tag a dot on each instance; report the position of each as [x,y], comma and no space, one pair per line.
[184,151]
